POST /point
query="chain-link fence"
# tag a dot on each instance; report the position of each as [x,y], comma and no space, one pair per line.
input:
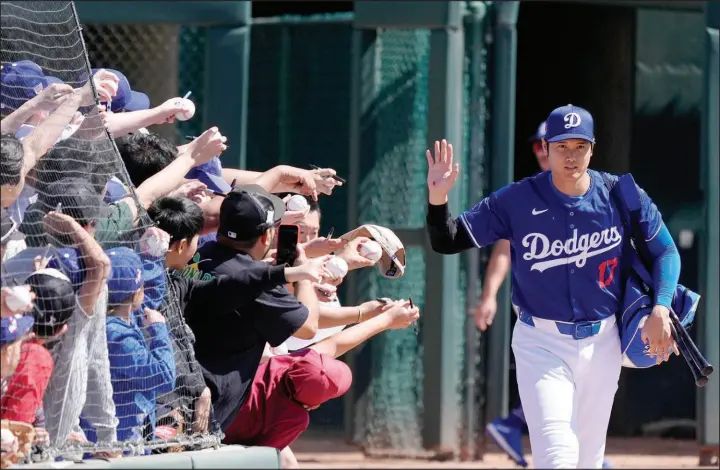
[96,399]
[299,97]
[161,60]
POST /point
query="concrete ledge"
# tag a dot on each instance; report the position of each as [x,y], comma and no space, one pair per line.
[225,457]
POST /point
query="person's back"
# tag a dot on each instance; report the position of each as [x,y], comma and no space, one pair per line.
[230,347]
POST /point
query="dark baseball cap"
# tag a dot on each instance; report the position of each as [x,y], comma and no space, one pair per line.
[248,211]
[54,303]
[569,122]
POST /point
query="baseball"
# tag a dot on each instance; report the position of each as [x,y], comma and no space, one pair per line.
[188,112]
[19,299]
[156,246]
[297,203]
[337,267]
[371,250]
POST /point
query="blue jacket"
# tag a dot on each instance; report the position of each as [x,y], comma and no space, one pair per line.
[139,372]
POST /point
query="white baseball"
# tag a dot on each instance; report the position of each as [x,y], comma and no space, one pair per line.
[337,267]
[189,109]
[19,298]
[155,245]
[371,250]
[297,203]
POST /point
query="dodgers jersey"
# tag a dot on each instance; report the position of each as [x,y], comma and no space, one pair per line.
[566,252]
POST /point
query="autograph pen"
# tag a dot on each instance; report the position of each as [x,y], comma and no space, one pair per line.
[335,177]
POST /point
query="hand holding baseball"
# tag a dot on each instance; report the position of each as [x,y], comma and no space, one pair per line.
[152,316]
[178,108]
[15,300]
[351,254]
[209,144]
[313,269]
[442,173]
[155,242]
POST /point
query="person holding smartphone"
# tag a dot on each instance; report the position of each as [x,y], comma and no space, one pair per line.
[230,342]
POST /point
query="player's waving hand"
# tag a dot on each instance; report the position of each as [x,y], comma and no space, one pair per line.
[442,173]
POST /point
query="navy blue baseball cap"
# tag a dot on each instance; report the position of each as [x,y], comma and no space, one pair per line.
[126,98]
[210,173]
[21,81]
[15,327]
[69,262]
[569,122]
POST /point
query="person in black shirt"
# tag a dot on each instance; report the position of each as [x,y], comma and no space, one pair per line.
[231,331]
[183,220]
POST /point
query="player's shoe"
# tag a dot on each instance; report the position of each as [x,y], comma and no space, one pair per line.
[606,464]
[508,438]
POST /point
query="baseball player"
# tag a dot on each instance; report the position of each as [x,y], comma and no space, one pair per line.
[507,431]
[567,254]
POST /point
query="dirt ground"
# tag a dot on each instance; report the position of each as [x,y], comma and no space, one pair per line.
[321,451]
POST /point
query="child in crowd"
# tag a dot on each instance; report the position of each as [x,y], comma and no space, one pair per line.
[139,370]
[54,306]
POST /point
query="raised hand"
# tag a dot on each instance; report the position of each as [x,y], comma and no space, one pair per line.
[52,96]
[351,254]
[442,173]
[321,246]
[209,144]
[194,190]
[312,269]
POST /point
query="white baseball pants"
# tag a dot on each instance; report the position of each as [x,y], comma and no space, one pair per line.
[567,388]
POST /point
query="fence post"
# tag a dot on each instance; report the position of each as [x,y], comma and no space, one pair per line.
[708,412]
[502,172]
[475,24]
[445,120]
[226,88]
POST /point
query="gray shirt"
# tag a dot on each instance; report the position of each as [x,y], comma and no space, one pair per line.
[81,380]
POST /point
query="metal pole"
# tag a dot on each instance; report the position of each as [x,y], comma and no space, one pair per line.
[478,114]
[708,412]
[352,204]
[502,169]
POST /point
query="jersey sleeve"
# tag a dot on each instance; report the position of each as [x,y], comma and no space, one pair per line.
[485,223]
[650,218]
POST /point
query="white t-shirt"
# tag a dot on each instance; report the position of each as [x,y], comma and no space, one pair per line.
[294,344]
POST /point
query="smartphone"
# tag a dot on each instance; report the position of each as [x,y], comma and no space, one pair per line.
[287,240]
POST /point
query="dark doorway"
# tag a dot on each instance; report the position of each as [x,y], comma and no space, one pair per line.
[581,54]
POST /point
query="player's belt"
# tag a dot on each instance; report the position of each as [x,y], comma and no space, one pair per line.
[579,330]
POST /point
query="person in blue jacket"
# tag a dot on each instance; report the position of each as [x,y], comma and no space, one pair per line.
[140,370]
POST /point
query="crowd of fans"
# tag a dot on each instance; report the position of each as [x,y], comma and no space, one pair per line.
[141,297]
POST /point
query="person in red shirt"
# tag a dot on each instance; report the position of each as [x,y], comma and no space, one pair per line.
[54,305]
[287,387]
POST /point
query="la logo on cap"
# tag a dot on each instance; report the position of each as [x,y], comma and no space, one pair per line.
[231,234]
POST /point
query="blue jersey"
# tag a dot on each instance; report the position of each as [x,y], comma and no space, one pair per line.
[566,252]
